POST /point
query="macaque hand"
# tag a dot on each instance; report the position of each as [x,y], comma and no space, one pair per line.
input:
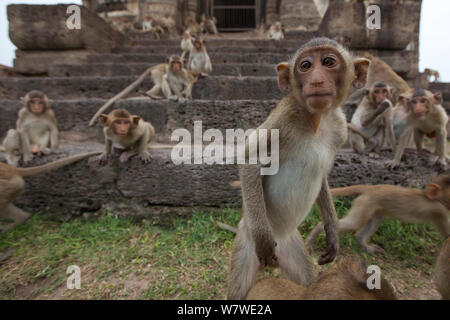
[46,151]
[265,251]
[181,100]
[146,157]
[332,248]
[173,98]
[392,164]
[103,159]
[385,104]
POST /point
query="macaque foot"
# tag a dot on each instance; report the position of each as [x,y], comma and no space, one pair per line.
[27,158]
[173,98]
[46,151]
[441,164]
[145,157]
[375,249]
[181,100]
[374,155]
[126,155]
[392,164]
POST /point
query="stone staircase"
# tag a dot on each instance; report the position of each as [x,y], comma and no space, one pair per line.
[240,93]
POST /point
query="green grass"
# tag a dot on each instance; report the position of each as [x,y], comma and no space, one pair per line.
[184,258]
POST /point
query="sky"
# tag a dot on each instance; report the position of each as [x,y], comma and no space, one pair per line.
[434,38]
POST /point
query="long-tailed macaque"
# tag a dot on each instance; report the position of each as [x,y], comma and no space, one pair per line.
[186,44]
[199,61]
[125,131]
[36,129]
[311,127]
[345,280]
[374,116]
[275,32]
[379,201]
[149,26]
[177,82]
[12,186]
[426,117]
[442,270]
[208,25]
[431,73]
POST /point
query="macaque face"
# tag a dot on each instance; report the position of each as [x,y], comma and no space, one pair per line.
[420,106]
[319,72]
[186,35]
[380,94]
[121,127]
[36,105]
[198,45]
[277,27]
[176,66]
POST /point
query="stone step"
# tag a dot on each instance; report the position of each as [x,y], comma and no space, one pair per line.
[216,57]
[134,188]
[168,50]
[208,88]
[135,69]
[166,116]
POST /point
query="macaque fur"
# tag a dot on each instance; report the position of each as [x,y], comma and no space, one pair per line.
[36,129]
[311,130]
[276,32]
[12,186]
[405,204]
[128,132]
[345,280]
[199,61]
[442,270]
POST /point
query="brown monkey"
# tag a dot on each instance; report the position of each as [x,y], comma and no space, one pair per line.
[311,130]
[346,280]
[177,82]
[379,201]
[199,60]
[426,117]
[186,43]
[12,186]
[208,25]
[126,131]
[374,116]
[36,129]
[442,270]
[432,73]
[150,26]
[275,31]
[192,26]
[156,72]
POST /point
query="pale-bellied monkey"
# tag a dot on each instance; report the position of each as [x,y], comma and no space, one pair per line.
[128,132]
[426,117]
[312,128]
[345,280]
[186,44]
[177,82]
[199,60]
[442,270]
[208,25]
[12,186]
[149,26]
[374,116]
[275,32]
[379,201]
[432,73]
[156,72]
[36,129]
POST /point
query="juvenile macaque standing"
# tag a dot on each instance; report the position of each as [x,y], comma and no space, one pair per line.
[374,116]
[426,117]
[186,44]
[199,61]
[12,186]
[432,73]
[346,280]
[36,129]
[128,132]
[312,128]
[379,201]
[208,25]
[275,32]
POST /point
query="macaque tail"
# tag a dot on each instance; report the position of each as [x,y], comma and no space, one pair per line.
[120,95]
[227,227]
[350,191]
[28,172]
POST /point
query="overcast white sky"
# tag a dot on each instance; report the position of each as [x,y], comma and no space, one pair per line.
[434,34]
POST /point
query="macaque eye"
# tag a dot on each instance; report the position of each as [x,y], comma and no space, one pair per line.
[305,66]
[423,100]
[328,62]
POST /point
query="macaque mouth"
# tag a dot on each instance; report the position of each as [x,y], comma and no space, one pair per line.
[325,94]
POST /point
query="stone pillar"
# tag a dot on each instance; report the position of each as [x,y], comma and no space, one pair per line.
[272,15]
[299,15]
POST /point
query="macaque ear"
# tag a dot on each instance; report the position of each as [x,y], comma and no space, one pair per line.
[361,69]
[437,97]
[103,119]
[283,76]
[433,191]
[135,120]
